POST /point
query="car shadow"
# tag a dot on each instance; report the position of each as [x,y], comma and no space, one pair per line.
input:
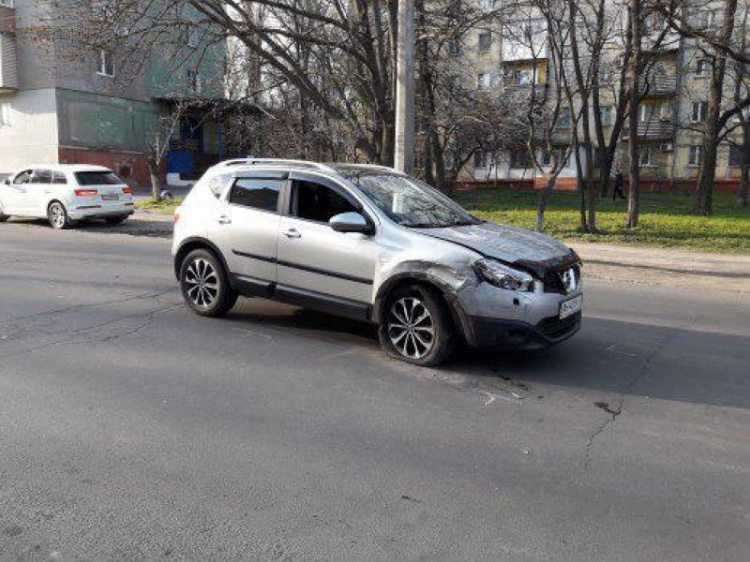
[134,227]
[606,355]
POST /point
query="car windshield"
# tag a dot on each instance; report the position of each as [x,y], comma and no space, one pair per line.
[98,178]
[410,202]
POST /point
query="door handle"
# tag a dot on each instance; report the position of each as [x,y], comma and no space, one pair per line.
[223,219]
[292,233]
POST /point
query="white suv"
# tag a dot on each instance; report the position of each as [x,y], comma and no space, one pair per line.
[370,243]
[65,193]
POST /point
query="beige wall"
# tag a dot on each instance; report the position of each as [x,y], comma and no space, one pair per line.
[31,137]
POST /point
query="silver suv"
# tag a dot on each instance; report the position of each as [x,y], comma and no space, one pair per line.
[370,243]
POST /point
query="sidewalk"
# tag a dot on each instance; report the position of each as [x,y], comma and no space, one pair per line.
[668,260]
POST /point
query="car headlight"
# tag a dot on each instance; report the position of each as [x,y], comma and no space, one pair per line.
[499,275]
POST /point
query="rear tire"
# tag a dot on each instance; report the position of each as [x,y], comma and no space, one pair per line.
[115,220]
[205,284]
[416,327]
[57,216]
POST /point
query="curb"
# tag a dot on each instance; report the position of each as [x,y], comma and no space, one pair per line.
[697,272]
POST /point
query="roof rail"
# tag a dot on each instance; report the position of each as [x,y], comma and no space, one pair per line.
[278,162]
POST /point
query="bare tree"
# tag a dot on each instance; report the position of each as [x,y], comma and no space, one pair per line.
[718,45]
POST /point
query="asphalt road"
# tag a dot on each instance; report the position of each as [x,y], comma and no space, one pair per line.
[132,429]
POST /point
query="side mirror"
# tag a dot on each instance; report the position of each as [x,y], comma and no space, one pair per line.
[6,181]
[350,222]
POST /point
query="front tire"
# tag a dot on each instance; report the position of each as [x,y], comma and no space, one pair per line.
[3,217]
[416,327]
[58,216]
[205,284]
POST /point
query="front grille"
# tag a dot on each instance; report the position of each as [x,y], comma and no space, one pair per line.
[553,327]
[553,280]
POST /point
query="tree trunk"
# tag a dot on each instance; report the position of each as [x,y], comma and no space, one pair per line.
[704,195]
[742,190]
[605,171]
[543,196]
[712,127]
[153,169]
[633,144]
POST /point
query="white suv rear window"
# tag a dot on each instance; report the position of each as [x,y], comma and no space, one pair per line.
[97,178]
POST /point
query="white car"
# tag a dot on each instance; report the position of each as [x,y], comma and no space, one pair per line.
[66,193]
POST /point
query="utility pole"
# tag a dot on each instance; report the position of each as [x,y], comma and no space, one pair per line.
[403,159]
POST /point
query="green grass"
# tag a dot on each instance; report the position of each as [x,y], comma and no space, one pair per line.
[665,219]
[164,206]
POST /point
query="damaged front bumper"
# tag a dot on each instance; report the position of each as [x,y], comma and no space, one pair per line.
[500,333]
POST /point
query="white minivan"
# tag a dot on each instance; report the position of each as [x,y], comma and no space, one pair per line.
[66,193]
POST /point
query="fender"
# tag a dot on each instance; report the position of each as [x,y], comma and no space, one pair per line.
[192,243]
[446,280]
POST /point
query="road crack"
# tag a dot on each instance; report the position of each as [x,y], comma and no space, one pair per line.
[615,411]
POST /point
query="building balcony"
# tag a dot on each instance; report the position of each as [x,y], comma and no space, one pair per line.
[658,85]
[8,63]
[7,15]
[655,129]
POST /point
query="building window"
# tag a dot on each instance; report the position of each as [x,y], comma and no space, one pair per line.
[735,155]
[480,159]
[487,5]
[563,120]
[483,80]
[695,158]
[705,19]
[655,22]
[645,157]
[606,115]
[646,112]
[520,158]
[4,115]
[700,110]
[454,47]
[485,41]
[191,36]
[523,77]
[106,63]
[6,3]
[702,68]
[194,81]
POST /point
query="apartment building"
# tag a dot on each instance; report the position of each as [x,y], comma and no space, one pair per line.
[515,55]
[64,102]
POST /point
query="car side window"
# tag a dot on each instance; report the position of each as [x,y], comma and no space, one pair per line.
[59,178]
[23,177]
[316,202]
[42,176]
[256,193]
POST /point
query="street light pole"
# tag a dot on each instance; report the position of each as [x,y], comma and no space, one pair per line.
[404,146]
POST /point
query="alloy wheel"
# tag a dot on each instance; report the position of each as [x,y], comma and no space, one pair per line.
[202,283]
[411,328]
[57,215]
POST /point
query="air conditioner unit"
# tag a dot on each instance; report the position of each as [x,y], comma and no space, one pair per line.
[666,147]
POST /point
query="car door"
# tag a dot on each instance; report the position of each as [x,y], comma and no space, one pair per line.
[14,196]
[315,262]
[37,192]
[246,227]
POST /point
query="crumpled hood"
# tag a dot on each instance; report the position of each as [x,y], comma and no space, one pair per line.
[512,245]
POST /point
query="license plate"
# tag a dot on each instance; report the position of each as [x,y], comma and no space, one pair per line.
[110,197]
[570,306]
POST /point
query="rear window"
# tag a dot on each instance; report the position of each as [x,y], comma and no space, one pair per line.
[97,178]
